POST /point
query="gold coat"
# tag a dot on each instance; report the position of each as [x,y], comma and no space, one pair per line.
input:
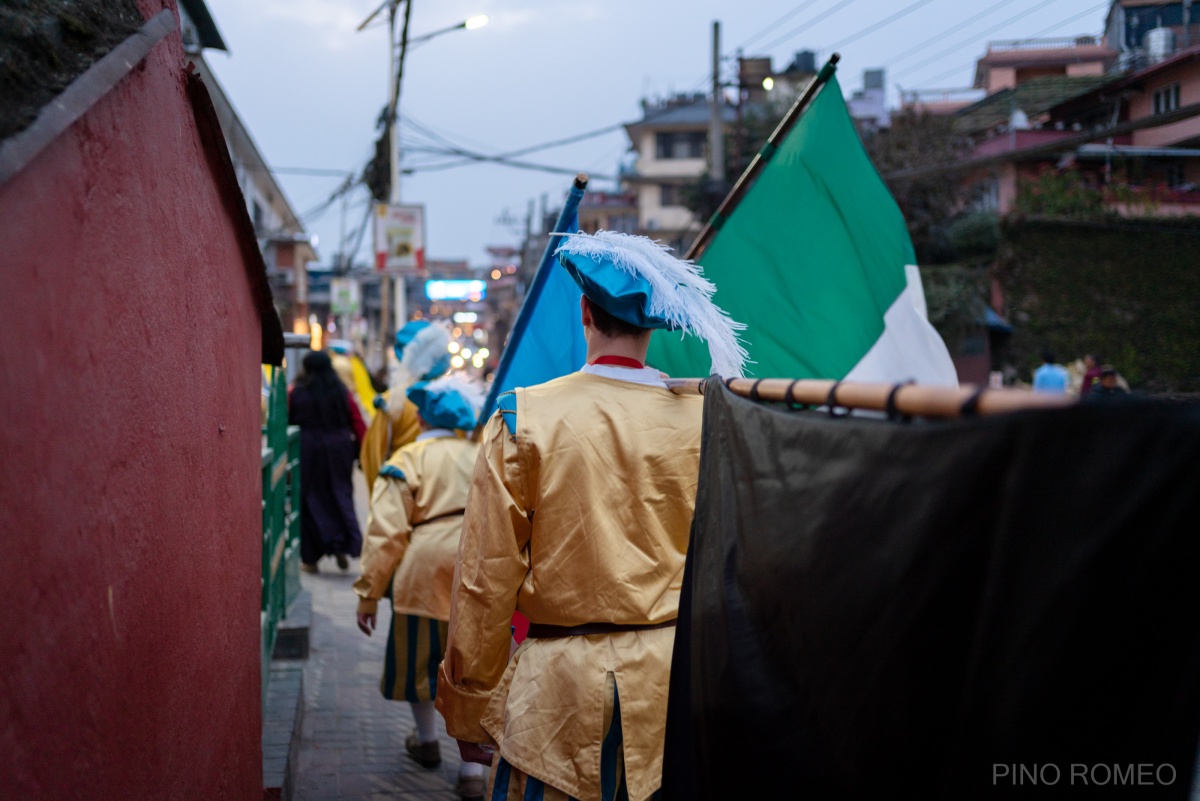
[389,432]
[414,526]
[581,517]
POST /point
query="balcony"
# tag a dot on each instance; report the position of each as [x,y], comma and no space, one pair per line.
[1049,43]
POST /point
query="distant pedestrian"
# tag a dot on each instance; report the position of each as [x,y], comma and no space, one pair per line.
[412,539]
[1051,376]
[331,428]
[1091,373]
[1109,383]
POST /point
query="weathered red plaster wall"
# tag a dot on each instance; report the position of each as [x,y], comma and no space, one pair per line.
[129,452]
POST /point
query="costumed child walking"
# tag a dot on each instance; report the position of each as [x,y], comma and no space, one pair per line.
[408,554]
[421,355]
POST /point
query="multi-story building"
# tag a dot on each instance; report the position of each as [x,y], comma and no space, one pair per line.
[1008,64]
[868,106]
[287,247]
[671,142]
[1151,169]
[1141,30]
[609,211]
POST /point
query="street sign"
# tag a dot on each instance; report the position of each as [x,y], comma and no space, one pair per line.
[344,296]
[399,239]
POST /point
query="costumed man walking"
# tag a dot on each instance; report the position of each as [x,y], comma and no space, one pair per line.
[409,550]
[579,514]
[421,349]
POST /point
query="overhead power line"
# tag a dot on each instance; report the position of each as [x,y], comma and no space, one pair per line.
[974,38]
[775,25]
[883,22]
[920,46]
[1042,32]
[808,24]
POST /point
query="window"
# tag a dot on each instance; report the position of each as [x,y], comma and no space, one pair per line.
[256,214]
[624,223]
[672,195]
[680,145]
[1166,99]
[1175,175]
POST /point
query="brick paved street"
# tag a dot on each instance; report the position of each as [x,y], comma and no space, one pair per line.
[353,739]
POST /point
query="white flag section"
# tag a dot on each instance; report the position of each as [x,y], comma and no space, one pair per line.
[909,347]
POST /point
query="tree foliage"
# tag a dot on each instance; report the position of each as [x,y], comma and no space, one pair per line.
[930,204]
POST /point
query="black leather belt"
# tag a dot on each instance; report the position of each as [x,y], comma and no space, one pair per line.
[436,518]
[545,631]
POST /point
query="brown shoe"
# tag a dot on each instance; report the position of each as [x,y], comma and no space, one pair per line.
[470,788]
[343,562]
[428,755]
[307,568]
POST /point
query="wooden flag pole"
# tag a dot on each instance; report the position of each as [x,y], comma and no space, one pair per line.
[747,178]
[909,399]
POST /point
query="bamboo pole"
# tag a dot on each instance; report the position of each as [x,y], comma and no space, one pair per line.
[910,399]
[747,178]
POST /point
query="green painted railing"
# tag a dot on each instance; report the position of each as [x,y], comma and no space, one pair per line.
[281,516]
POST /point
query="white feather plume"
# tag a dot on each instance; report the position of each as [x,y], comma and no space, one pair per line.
[679,292]
[419,357]
[425,349]
[472,391]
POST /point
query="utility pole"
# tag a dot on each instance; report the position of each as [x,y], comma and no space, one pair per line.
[395,73]
[716,142]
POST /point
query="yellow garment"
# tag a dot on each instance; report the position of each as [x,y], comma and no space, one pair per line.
[344,369]
[400,549]
[362,385]
[388,432]
[581,517]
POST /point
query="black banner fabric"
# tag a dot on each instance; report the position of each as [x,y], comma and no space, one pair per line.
[991,608]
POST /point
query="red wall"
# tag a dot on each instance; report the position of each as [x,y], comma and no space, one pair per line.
[129,464]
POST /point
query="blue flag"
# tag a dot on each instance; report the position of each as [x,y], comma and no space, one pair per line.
[547,340]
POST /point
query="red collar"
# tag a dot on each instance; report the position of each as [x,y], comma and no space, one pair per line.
[620,361]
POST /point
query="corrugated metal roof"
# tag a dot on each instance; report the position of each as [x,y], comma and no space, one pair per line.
[1033,97]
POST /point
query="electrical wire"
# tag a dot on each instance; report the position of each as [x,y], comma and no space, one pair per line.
[1031,36]
[974,38]
[808,24]
[953,29]
[886,21]
[774,25]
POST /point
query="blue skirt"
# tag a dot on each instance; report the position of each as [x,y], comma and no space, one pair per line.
[415,648]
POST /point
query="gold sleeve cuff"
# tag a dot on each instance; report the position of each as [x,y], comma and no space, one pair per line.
[462,710]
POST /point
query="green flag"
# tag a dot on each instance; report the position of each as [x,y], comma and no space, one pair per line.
[817,261]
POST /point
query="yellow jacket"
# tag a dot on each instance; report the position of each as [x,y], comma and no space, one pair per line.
[415,522]
[389,432]
[582,516]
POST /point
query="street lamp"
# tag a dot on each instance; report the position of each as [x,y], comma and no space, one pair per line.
[470,24]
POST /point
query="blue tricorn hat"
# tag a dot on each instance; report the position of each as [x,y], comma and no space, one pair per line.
[451,402]
[637,280]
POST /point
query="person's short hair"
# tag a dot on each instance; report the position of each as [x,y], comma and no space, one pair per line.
[612,326]
[1048,356]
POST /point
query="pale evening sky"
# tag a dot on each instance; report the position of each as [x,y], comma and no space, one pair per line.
[310,87]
